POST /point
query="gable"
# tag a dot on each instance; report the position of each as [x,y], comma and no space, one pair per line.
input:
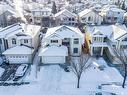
[55,36]
[64,13]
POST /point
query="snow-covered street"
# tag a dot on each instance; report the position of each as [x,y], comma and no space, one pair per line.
[53,80]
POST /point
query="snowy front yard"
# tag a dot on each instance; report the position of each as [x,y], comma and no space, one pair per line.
[53,80]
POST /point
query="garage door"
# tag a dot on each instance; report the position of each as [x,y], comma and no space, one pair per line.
[18,60]
[53,59]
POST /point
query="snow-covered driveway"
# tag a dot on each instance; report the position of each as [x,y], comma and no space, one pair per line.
[51,77]
[53,80]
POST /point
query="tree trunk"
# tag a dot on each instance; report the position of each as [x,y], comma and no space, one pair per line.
[125,75]
[78,83]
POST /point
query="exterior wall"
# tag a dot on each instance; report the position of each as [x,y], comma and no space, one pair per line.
[35,40]
[28,44]
[95,19]
[53,59]
[64,20]
[10,42]
[72,46]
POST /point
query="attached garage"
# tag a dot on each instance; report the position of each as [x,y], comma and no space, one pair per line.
[19,55]
[54,55]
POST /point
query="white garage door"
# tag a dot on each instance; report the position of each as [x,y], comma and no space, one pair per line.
[53,59]
[18,60]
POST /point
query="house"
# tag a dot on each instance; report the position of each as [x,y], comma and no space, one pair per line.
[96,7]
[65,17]
[6,12]
[103,2]
[112,14]
[90,17]
[60,42]
[19,42]
[42,16]
[74,8]
[104,38]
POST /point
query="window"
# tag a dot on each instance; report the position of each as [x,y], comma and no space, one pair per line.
[25,41]
[13,41]
[115,18]
[97,39]
[109,17]
[89,18]
[125,39]
[123,47]
[98,93]
[73,19]
[69,19]
[76,41]
[54,41]
[83,19]
[75,50]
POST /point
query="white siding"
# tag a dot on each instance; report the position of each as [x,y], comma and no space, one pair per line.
[53,59]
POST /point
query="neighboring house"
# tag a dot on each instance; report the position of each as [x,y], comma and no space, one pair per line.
[90,17]
[42,16]
[96,7]
[103,38]
[112,14]
[6,12]
[65,17]
[75,8]
[18,42]
[60,42]
[101,1]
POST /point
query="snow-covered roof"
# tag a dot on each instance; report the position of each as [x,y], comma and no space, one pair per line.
[10,29]
[18,50]
[5,7]
[84,12]
[51,51]
[113,32]
[64,32]
[112,8]
[66,13]
[30,30]
[119,31]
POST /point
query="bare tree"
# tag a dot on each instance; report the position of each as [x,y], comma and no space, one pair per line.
[79,65]
[121,57]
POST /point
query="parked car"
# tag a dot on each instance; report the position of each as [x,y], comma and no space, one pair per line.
[21,70]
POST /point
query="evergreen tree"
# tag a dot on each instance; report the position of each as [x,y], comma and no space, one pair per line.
[123,5]
[54,10]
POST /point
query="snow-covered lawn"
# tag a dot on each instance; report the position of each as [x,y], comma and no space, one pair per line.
[53,80]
